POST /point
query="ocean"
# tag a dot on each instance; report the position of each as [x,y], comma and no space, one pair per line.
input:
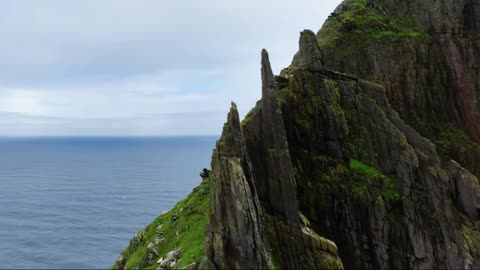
[77,202]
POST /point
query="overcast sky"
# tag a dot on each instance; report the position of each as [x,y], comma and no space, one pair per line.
[123,68]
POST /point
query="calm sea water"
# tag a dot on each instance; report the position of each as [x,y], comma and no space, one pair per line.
[77,202]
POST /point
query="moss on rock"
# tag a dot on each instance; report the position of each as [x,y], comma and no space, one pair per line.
[367,179]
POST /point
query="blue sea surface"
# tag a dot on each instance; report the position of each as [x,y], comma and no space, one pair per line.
[77,202]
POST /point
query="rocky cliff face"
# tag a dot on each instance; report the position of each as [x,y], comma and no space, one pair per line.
[235,229]
[426,55]
[343,151]
[257,193]
[370,138]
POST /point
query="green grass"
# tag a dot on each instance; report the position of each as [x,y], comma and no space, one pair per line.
[360,22]
[368,21]
[366,180]
[187,232]
[364,169]
[245,120]
[281,95]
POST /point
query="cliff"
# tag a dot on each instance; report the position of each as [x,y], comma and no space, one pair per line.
[426,55]
[337,165]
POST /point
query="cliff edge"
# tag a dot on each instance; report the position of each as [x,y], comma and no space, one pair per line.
[362,154]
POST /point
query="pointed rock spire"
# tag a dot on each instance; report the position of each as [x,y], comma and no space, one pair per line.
[232,143]
[308,55]
[277,187]
[234,231]
[268,80]
[281,193]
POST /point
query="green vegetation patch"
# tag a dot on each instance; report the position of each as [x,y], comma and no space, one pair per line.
[367,180]
[362,22]
[304,219]
[364,169]
[281,95]
[471,238]
[450,141]
[246,120]
[183,227]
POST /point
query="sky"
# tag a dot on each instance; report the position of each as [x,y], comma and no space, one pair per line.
[140,68]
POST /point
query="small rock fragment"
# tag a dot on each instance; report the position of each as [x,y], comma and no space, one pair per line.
[152,252]
[205,173]
[120,262]
[159,240]
[170,260]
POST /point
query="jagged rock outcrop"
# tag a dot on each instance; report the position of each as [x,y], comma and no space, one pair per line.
[362,154]
[421,223]
[271,188]
[418,214]
[234,232]
[280,188]
[308,56]
[426,55]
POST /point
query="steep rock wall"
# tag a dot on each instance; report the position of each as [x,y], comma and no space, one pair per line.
[426,55]
[420,227]
[316,141]
[260,196]
[356,141]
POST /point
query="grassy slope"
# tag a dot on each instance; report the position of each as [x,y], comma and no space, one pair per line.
[187,232]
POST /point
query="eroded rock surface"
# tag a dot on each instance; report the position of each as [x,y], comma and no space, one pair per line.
[235,229]
[364,153]
[264,192]
[302,139]
[426,54]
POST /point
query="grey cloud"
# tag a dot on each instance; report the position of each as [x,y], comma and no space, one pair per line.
[122,60]
[16,124]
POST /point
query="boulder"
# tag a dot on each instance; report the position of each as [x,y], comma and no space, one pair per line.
[467,190]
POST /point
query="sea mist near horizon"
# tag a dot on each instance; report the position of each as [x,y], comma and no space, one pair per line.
[77,202]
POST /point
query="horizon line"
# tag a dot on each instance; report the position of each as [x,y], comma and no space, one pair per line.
[107,136]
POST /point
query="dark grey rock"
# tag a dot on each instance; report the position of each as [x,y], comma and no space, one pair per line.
[279,179]
[205,173]
[467,190]
[309,56]
[234,232]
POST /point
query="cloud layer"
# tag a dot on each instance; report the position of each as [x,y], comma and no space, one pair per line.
[117,67]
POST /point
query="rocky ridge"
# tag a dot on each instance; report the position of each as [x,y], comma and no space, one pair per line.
[426,55]
[270,182]
[343,145]
[416,214]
